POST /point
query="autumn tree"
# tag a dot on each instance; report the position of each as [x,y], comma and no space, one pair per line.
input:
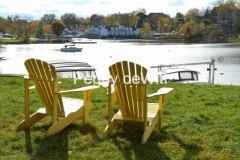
[191,15]
[3,24]
[187,29]
[1,46]
[21,26]
[236,20]
[58,27]
[199,29]
[85,32]
[12,27]
[133,18]
[80,23]
[146,28]
[152,19]
[161,24]
[214,32]
[226,11]
[124,19]
[88,21]
[27,29]
[192,29]
[111,20]
[34,26]
[48,31]
[167,24]
[97,20]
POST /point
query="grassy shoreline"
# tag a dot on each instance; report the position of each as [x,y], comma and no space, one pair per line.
[200,122]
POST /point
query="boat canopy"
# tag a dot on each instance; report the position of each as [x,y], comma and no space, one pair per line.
[176,70]
[74,66]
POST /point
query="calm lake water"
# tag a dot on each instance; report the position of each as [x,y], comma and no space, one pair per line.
[105,52]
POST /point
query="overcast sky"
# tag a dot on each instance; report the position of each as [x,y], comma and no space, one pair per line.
[85,8]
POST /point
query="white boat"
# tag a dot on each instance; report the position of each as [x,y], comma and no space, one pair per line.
[82,41]
[172,72]
[3,58]
[180,75]
[71,48]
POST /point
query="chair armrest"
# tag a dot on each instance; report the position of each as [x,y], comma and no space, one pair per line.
[105,85]
[161,91]
[33,87]
[87,88]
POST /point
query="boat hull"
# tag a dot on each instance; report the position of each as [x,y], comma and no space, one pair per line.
[71,49]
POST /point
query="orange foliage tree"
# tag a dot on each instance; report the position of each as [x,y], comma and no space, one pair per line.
[58,27]
[48,31]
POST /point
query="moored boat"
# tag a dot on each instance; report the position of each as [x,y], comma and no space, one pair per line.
[71,48]
[172,72]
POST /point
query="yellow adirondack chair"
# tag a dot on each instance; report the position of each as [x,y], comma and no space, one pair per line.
[46,84]
[131,93]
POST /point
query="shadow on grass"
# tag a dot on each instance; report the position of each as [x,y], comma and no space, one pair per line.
[55,146]
[28,141]
[130,135]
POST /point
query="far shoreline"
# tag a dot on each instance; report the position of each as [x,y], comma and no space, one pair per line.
[152,40]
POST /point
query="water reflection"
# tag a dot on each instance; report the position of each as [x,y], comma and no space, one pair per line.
[104,53]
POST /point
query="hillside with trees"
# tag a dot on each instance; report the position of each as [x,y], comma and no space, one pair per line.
[219,22]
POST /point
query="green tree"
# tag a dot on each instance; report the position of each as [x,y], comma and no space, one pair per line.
[206,21]
[47,19]
[153,20]
[40,31]
[179,19]
[58,27]
[141,19]
[69,19]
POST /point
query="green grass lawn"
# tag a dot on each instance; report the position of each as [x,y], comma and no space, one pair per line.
[200,122]
[12,41]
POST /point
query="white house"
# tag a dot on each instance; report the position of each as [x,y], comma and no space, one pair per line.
[113,31]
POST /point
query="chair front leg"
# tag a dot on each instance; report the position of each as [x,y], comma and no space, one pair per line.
[26,99]
[160,112]
[87,105]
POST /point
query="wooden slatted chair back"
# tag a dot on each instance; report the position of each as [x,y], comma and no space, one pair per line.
[45,80]
[130,86]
